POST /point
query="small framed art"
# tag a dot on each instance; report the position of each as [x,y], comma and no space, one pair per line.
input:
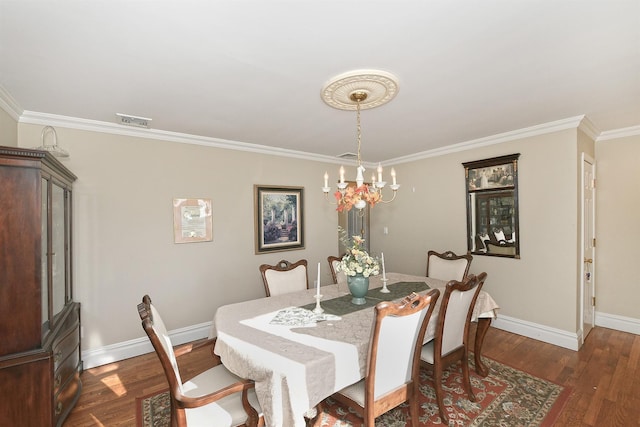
[192,220]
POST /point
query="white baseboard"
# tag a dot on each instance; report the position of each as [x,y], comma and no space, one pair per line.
[619,323]
[538,332]
[572,341]
[125,350]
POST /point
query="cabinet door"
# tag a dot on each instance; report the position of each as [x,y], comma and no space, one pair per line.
[44,287]
[58,248]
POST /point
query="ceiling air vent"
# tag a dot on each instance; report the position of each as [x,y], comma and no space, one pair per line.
[141,122]
[348,156]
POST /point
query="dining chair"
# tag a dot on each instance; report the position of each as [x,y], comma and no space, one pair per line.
[393,359]
[215,397]
[284,277]
[338,276]
[448,266]
[450,344]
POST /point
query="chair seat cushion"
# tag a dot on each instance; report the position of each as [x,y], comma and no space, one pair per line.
[355,392]
[427,353]
[226,412]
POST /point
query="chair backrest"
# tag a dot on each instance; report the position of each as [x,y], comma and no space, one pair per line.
[394,350]
[284,277]
[448,266]
[157,332]
[338,276]
[455,313]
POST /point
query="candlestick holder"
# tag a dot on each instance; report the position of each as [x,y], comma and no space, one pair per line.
[384,289]
[318,309]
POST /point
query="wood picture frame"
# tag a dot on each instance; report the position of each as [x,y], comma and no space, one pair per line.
[279,218]
[192,220]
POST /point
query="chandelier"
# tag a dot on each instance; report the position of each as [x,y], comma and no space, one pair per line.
[357,90]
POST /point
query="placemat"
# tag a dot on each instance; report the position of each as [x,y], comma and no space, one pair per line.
[342,305]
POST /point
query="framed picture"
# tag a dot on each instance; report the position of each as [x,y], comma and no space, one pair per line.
[279,218]
[192,220]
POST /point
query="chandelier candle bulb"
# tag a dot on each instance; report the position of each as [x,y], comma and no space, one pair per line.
[318,282]
[393,176]
[326,179]
[379,172]
[341,174]
[384,273]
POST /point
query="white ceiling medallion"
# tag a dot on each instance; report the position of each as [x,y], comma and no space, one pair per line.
[380,87]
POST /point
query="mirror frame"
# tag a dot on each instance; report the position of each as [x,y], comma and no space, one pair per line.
[477,170]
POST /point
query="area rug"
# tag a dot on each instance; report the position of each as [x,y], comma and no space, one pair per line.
[506,397]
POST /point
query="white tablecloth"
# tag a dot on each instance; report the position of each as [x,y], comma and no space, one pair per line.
[296,367]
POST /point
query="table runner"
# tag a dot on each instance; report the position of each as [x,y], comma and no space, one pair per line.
[343,305]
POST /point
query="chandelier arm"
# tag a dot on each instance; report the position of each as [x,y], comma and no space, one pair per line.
[388,201]
[326,196]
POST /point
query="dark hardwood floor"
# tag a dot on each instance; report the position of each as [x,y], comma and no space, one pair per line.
[604,376]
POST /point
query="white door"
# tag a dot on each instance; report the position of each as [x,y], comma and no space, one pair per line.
[588,245]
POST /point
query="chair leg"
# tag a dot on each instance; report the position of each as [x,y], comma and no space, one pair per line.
[465,376]
[437,379]
[413,405]
[369,417]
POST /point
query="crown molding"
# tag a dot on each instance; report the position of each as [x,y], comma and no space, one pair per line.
[581,122]
[589,128]
[558,125]
[8,104]
[32,117]
[619,133]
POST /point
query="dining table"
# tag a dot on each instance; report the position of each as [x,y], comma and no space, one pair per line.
[298,356]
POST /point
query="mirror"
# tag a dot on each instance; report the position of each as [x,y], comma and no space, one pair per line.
[492,206]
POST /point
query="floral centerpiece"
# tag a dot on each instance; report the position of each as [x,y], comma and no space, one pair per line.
[358,261]
[358,266]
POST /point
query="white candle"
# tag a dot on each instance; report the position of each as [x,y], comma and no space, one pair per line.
[384,273]
[379,172]
[393,175]
[341,174]
[373,179]
[318,281]
[326,179]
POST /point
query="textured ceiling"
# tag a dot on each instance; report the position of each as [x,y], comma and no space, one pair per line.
[252,71]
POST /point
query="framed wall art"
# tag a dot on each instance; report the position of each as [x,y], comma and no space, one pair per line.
[279,218]
[192,220]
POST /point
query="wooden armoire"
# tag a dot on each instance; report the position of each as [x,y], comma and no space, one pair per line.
[40,360]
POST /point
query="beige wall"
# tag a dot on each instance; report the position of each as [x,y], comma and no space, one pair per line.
[124,243]
[430,213]
[8,130]
[123,231]
[618,227]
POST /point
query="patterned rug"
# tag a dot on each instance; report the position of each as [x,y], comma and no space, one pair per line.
[506,397]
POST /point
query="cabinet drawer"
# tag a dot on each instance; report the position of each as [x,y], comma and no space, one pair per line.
[66,398]
[66,344]
[68,367]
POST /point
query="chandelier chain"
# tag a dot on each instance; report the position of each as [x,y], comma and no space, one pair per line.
[359,129]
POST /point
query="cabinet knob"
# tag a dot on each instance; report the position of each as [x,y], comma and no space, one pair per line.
[58,408]
[57,381]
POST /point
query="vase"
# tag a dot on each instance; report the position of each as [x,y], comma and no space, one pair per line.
[358,286]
